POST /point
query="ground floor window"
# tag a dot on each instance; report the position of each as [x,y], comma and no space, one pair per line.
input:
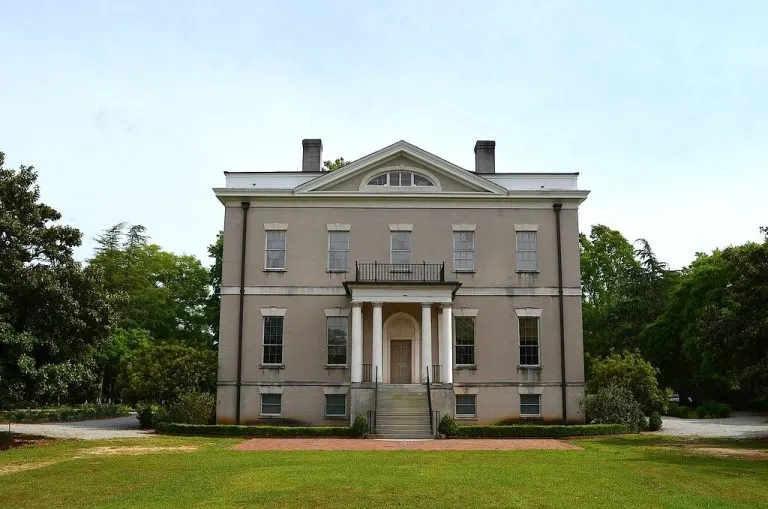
[335,405]
[466,405]
[271,404]
[530,404]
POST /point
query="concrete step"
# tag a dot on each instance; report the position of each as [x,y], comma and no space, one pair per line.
[406,436]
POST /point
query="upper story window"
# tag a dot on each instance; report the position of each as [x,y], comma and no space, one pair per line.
[401,179]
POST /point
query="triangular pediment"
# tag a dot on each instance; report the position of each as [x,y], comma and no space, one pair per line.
[401,156]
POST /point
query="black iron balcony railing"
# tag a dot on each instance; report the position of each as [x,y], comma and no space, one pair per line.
[376,272]
[367,373]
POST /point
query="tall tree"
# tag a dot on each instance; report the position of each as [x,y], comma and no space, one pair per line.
[213,305]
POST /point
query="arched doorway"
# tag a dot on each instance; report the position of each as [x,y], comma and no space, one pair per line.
[401,349]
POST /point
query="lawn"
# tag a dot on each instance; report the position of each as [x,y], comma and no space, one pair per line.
[635,472]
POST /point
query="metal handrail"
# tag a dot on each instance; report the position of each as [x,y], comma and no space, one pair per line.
[375,272]
[429,403]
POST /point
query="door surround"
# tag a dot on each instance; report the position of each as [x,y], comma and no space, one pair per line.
[398,319]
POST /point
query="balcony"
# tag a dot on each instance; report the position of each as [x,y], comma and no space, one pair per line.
[375,272]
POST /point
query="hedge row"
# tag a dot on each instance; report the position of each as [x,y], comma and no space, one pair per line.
[64,413]
[256,431]
[541,431]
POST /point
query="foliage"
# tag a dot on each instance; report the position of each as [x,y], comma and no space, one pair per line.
[212,305]
[5,440]
[360,426]
[232,430]
[192,407]
[161,372]
[654,421]
[447,426]
[517,421]
[675,410]
[631,372]
[150,414]
[109,355]
[65,413]
[334,165]
[614,404]
[701,412]
[541,430]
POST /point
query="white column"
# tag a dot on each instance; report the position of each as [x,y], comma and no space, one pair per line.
[376,357]
[446,345]
[356,367]
[426,342]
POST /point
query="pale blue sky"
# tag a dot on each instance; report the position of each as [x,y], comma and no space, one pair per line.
[131,110]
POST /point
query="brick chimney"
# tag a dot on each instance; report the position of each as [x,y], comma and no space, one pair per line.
[312,160]
[485,156]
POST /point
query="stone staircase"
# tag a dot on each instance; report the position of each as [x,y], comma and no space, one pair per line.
[402,411]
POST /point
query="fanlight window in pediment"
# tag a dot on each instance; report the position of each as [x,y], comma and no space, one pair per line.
[401,179]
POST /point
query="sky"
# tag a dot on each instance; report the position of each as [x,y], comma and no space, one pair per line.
[132,111]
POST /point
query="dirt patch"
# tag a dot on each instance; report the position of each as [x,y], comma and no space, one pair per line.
[342,444]
[726,452]
[20,467]
[133,451]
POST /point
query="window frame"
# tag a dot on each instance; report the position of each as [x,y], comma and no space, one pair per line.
[411,178]
[265,345]
[267,250]
[537,404]
[328,345]
[520,251]
[456,268]
[261,404]
[336,416]
[473,320]
[473,397]
[346,256]
[520,345]
[392,250]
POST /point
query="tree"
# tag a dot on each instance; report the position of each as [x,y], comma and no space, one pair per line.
[213,306]
[631,372]
[53,311]
[109,355]
[334,165]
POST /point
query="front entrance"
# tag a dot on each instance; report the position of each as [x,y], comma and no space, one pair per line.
[400,362]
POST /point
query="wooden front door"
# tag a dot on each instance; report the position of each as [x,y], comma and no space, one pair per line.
[399,362]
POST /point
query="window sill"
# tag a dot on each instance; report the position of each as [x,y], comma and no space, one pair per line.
[337,271]
[530,366]
[275,270]
[464,271]
[470,367]
[336,366]
[527,271]
[272,366]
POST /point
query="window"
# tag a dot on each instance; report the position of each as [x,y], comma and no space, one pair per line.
[466,405]
[401,179]
[400,244]
[530,404]
[275,256]
[465,340]
[529,341]
[273,340]
[335,405]
[526,252]
[271,404]
[337,331]
[338,251]
[464,251]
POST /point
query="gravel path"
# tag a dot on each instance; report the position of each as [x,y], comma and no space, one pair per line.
[739,425]
[118,427]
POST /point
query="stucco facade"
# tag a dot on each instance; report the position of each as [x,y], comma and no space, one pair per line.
[314,340]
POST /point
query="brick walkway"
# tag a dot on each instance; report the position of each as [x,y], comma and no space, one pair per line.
[346,444]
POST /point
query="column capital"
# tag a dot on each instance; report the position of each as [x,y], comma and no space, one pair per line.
[357,304]
[426,304]
[446,305]
[377,304]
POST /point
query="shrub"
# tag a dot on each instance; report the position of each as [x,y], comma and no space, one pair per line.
[65,413]
[447,426]
[614,405]
[701,411]
[654,421]
[150,414]
[516,421]
[231,430]
[5,440]
[631,372]
[676,410]
[192,408]
[541,430]
[717,410]
[360,426]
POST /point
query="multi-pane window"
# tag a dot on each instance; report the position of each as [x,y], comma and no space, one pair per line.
[529,341]
[466,405]
[271,404]
[275,252]
[526,252]
[273,340]
[465,340]
[400,179]
[530,404]
[335,405]
[464,251]
[400,247]
[337,333]
[338,251]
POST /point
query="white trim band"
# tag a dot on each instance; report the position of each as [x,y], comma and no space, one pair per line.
[528,312]
[273,311]
[464,291]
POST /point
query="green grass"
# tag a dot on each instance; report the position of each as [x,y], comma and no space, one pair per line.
[638,471]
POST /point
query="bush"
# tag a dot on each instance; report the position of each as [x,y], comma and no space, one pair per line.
[232,430]
[701,411]
[150,414]
[675,410]
[192,408]
[654,421]
[541,430]
[614,405]
[65,413]
[516,421]
[631,372]
[717,410]
[360,426]
[447,426]
[5,440]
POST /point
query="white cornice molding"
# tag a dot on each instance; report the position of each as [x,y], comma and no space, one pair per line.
[273,311]
[530,389]
[528,312]
[464,291]
[463,227]
[338,227]
[336,312]
[275,226]
[526,227]
[401,227]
